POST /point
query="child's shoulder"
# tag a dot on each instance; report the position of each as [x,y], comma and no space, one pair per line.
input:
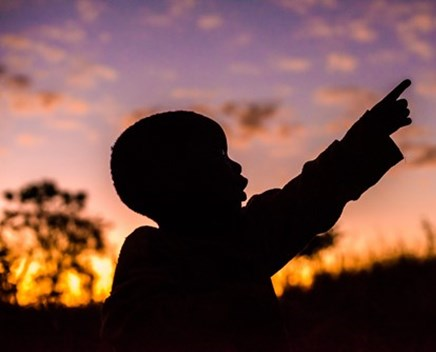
[142,234]
[138,241]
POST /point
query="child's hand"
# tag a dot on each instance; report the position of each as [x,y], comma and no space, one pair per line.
[386,117]
[391,114]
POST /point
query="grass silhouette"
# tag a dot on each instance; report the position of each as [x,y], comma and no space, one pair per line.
[389,306]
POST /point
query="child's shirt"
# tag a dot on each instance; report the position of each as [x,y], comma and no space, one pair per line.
[174,292]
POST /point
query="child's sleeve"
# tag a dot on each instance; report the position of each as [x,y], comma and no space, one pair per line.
[282,221]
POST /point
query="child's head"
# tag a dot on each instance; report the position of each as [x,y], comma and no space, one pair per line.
[174,165]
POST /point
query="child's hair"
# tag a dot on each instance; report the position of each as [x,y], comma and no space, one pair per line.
[150,160]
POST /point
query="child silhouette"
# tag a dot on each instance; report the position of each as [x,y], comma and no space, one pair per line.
[201,280]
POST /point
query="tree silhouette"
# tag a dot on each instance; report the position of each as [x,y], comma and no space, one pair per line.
[48,228]
[8,289]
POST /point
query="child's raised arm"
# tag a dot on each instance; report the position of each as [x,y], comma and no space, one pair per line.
[284,220]
[385,118]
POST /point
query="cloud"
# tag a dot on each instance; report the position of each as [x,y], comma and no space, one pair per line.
[174,9]
[302,7]
[209,22]
[17,81]
[244,68]
[71,125]
[8,5]
[51,109]
[137,114]
[29,104]
[3,151]
[88,75]
[338,62]
[417,46]
[22,100]
[413,30]
[292,64]
[427,88]
[18,61]
[242,40]
[344,96]
[352,102]
[66,124]
[243,122]
[89,10]
[246,121]
[20,43]
[386,56]
[67,33]
[167,74]
[179,7]
[265,122]
[419,154]
[29,140]
[358,30]
[250,116]
[283,90]
[192,93]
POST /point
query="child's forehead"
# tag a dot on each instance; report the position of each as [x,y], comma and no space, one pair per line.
[204,131]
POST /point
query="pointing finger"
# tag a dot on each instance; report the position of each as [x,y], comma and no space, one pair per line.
[397,91]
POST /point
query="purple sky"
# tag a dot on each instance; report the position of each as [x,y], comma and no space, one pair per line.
[75,73]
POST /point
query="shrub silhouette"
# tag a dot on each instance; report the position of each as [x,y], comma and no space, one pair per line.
[48,228]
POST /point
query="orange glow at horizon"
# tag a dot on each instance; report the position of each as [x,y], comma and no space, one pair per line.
[71,283]
[299,272]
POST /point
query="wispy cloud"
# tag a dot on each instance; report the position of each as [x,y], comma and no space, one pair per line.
[358,30]
[420,154]
[29,140]
[351,101]
[210,21]
[267,122]
[66,33]
[304,6]
[21,99]
[292,64]
[413,31]
[4,151]
[427,88]
[386,56]
[89,10]
[43,103]
[137,114]
[20,43]
[361,31]
[245,121]
[88,75]
[174,9]
[16,81]
[244,68]
[192,93]
[250,116]
[242,39]
[339,62]
[345,96]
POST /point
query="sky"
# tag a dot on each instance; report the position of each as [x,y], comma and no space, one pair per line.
[285,78]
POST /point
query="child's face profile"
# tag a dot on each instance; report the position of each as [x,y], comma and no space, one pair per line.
[214,177]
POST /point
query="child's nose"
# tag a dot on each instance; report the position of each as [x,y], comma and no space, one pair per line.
[235,166]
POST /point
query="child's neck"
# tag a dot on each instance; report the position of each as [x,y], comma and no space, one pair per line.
[201,226]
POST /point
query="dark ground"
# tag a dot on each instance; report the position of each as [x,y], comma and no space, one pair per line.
[391,307]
